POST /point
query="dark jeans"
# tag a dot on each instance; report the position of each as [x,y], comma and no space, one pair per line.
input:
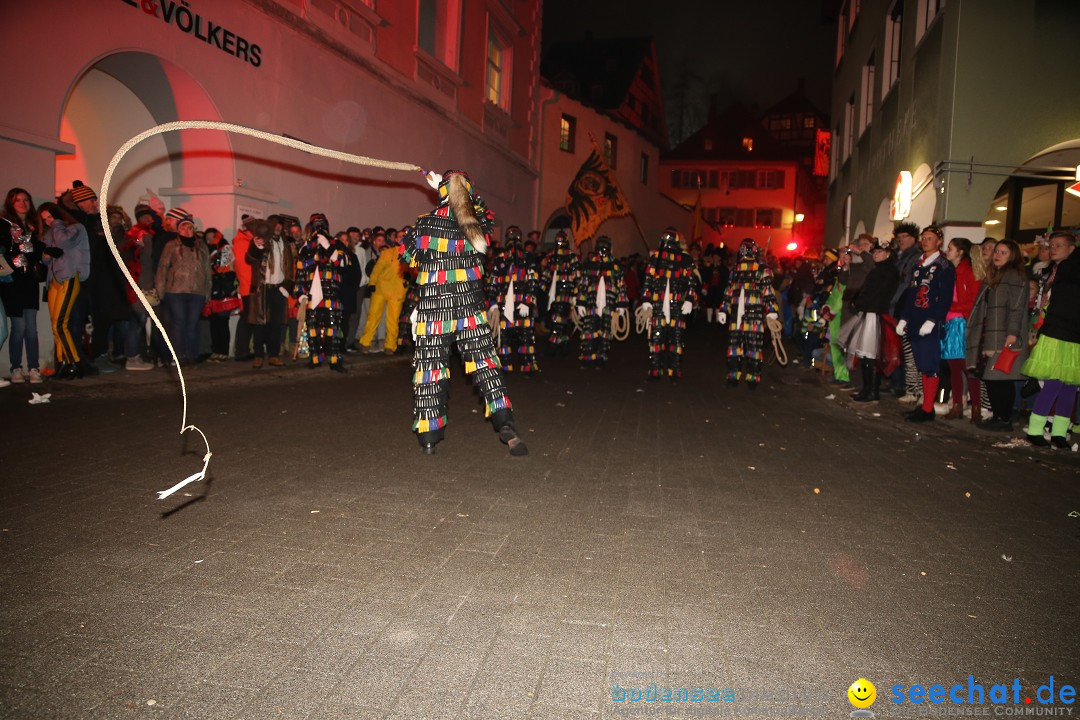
[184,311]
[219,333]
[24,329]
[268,336]
[243,330]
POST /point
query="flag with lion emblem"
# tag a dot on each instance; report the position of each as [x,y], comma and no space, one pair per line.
[593,197]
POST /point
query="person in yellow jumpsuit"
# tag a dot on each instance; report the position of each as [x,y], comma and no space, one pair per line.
[388,279]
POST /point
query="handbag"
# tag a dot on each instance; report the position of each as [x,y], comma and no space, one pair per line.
[1006,360]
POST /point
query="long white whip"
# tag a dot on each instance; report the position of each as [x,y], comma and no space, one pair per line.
[225,127]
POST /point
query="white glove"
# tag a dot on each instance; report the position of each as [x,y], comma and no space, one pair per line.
[647,307]
[412,323]
[772,316]
[323,242]
[284,292]
[687,307]
[927,328]
[722,317]
[523,310]
[433,179]
[900,327]
[581,310]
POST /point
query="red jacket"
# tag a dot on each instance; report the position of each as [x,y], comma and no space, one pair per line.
[240,243]
[965,290]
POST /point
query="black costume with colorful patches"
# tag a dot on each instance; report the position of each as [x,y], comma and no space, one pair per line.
[560,278]
[602,286]
[512,283]
[748,301]
[670,283]
[319,267]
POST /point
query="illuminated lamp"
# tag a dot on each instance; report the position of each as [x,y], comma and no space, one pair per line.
[799,217]
[792,246]
[900,207]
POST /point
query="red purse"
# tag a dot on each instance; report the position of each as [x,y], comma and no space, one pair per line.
[1006,360]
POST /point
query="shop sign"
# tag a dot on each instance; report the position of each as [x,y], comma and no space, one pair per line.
[900,207]
[179,14]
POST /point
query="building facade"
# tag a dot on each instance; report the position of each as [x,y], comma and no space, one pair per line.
[957,112]
[439,83]
[605,93]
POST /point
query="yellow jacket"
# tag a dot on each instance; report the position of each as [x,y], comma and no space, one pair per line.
[387,277]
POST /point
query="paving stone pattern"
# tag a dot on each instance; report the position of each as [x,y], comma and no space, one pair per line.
[655,533]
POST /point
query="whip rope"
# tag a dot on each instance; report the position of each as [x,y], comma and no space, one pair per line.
[776,329]
[620,324]
[103,210]
[494,315]
[641,319]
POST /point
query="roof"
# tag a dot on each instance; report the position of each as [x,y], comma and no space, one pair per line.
[597,73]
[722,139]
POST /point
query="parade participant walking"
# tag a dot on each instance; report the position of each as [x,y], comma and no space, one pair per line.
[1055,359]
[602,285]
[447,246]
[749,300]
[669,294]
[511,289]
[318,283]
[922,318]
[560,278]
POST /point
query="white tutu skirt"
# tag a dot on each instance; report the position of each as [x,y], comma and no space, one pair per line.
[861,336]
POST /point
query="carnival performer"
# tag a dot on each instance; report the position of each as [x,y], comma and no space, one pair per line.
[669,293]
[511,287]
[749,300]
[601,286]
[926,305]
[318,281]
[560,278]
[447,247]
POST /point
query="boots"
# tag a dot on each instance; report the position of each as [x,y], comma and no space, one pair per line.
[868,374]
[976,412]
[957,409]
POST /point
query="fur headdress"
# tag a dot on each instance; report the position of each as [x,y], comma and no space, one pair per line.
[458,190]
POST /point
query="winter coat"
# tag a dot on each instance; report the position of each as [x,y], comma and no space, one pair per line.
[1062,319]
[183,269]
[965,291]
[999,311]
[256,262]
[877,291]
[23,291]
[76,258]
[929,294]
[906,262]
[853,278]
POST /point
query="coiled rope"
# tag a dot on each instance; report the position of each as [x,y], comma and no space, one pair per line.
[620,324]
[776,329]
[224,127]
[641,319]
[494,316]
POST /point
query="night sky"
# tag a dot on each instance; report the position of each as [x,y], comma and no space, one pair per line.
[752,52]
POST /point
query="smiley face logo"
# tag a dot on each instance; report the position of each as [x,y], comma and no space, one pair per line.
[862,693]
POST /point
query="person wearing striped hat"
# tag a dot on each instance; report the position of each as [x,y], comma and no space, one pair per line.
[447,247]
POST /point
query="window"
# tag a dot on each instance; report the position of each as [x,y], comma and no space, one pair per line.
[740,179]
[866,109]
[744,217]
[894,25]
[928,11]
[498,71]
[849,127]
[438,30]
[714,178]
[766,217]
[834,151]
[748,144]
[808,122]
[770,179]
[611,150]
[567,133]
[643,169]
[726,216]
[841,38]
[676,178]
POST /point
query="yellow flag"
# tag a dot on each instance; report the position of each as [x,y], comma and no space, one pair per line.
[593,197]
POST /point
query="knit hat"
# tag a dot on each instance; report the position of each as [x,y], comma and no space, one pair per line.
[80,192]
[830,255]
[143,209]
[178,214]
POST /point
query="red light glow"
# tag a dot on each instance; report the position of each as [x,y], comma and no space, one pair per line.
[792,246]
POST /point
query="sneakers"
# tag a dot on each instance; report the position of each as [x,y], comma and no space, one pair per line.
[137,363]
[35,376]
[17,375]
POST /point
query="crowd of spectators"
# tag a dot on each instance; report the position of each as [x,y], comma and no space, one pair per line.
[848,309]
